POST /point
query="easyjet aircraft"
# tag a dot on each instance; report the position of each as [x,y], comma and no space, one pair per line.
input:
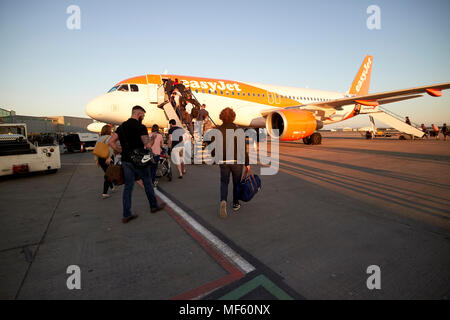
[297,113]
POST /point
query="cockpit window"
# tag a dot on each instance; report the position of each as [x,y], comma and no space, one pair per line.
[113,89]
[134,88]
[123,87]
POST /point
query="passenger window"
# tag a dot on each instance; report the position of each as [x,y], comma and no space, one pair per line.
[134,88]
[123,87]
[232,92]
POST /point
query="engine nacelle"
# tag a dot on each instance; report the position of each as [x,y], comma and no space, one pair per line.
[292,124]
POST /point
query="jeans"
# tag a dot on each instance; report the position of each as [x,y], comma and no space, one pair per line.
[154,167]
[131,173]
[236,172]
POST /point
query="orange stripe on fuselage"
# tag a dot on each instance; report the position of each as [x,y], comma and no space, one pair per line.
[220,87]
[134,80]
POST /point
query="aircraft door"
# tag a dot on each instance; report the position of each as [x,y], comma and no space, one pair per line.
[153,93]
[155,89]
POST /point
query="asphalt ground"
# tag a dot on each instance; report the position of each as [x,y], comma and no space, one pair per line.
[329,213]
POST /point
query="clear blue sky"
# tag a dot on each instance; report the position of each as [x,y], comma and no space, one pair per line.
[47,69]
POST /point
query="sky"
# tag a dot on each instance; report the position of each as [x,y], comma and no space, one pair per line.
[48,69]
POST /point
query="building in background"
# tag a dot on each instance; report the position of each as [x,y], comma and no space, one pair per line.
[51,125]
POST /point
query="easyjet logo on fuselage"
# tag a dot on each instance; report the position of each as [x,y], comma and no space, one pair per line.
[363,76]
[212,85]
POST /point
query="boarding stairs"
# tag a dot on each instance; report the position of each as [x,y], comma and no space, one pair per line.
[397,122]
[198,154]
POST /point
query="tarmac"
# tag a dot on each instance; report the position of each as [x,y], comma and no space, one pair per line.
[313,230]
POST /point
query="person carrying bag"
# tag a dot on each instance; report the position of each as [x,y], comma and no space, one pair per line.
[136,157]
[104,156]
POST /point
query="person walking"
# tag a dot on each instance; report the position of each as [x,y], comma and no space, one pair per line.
[103,163]
[177,146]
[132,135]
[445,131]
[157,144]
[231,164]
[424,130]
[202,116]
[435,131]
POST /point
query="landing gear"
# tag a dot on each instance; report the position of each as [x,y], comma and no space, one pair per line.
[315,138]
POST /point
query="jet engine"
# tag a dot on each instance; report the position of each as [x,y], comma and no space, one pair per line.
[292,124]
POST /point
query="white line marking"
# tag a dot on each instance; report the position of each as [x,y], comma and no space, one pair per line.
[232,255]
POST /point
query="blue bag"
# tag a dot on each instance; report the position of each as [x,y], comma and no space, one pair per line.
[249,187]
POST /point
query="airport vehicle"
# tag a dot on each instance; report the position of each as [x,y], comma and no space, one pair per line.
[18,155]
[286,112]
[80,141]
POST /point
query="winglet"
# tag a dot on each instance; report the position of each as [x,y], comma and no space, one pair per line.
[361,84]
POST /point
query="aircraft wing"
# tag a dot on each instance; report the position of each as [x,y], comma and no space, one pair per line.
[433,90]
[377,98]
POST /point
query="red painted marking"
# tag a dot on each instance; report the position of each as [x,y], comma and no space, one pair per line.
[234,272]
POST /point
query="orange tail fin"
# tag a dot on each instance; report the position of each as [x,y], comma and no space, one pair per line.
[361,84]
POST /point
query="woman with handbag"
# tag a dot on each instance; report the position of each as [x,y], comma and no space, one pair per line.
[104,157]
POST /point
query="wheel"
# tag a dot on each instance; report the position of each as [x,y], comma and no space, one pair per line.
[314,139]
[402,137]
[52,171]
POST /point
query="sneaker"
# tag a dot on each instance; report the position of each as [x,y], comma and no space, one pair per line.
[159,208]
[105,196]
[236,207]
[223,209]
[126,220]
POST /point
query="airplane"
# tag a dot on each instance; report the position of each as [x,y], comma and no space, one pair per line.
[296,113]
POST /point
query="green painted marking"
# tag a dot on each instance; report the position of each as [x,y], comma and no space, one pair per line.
[260,280]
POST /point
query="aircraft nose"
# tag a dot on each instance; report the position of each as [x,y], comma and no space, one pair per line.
[93,108]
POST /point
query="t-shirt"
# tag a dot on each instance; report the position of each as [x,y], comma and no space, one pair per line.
[202,115]
[130,133]
[179,140]
[156,147]
[189,107]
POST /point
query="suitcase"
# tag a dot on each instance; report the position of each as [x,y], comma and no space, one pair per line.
[249,187]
